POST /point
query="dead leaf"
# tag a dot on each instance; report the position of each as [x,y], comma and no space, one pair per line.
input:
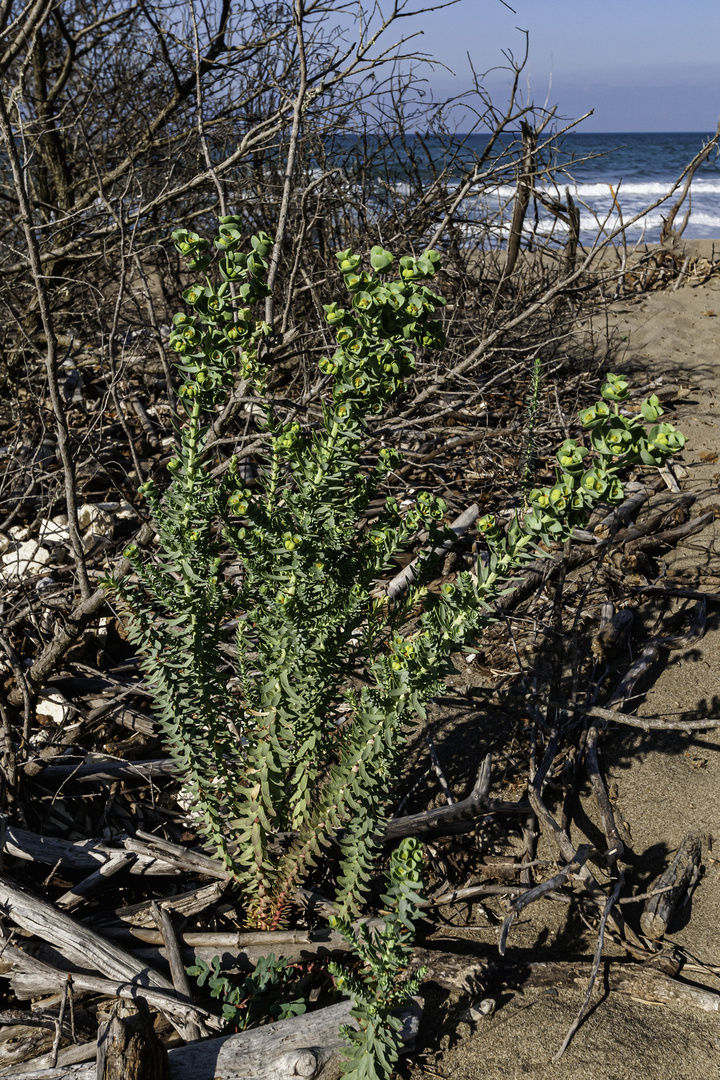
[708,455]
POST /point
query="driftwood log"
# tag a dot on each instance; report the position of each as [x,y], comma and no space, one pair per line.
[152,855]
[80,945]
[78,854]
[680,875]
[307,1046]
[66,1058]
[127,1046]
[458,817]
[30,977]
[235,957]
[110,770]
[187,904]
[19,1042]
[87,886]
[310,1046]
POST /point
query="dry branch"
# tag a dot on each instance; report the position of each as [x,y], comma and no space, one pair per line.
[79,854]
[81,948]
[30,977]
[406,576]
[458,816]
[531,895]
[674,882]
[75,941]
[469,974]
[646,723]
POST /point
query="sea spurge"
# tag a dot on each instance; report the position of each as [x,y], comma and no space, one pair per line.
[651,409]
[571,456]
[588,475]
[251,668]
[616,388]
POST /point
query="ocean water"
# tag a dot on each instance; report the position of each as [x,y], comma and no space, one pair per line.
[617,177]
[614,179]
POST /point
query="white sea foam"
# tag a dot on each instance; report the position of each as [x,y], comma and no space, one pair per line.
[700,218]
[649,190]
[653,220]
[554,228]
[646,189]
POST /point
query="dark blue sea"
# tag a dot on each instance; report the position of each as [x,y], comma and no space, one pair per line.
[615,179]
[640,168]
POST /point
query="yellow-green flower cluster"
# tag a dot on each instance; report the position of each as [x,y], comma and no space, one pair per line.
[586,476]
[376,334]
[220,334]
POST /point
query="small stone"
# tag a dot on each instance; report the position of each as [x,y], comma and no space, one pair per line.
[483,1008]
[53,532]
[93,518]
[28,558]
[53,708]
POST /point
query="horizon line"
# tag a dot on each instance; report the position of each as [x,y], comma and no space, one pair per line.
[657,132]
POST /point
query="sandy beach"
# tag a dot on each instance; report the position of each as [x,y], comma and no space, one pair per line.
[664,785]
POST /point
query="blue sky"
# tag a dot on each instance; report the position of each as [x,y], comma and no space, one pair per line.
[642,65]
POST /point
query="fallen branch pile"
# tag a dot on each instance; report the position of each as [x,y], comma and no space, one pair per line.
[117,897]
